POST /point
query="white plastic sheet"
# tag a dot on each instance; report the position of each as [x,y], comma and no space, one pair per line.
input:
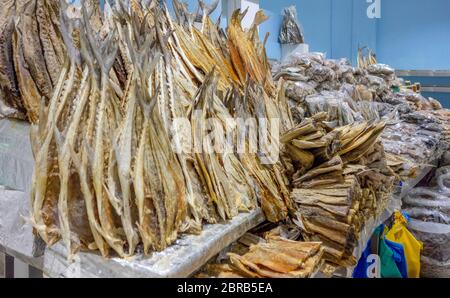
[15,229]
[16,159]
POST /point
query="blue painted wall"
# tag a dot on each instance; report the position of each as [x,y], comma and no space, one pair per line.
[315,16]
[411,34]
[335,27]
[415,34]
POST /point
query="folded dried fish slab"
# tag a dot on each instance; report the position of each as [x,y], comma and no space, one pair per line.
[275,258]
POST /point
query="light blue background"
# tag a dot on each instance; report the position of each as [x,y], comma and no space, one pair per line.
[411,34]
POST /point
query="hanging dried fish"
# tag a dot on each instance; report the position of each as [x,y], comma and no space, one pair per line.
[113,171]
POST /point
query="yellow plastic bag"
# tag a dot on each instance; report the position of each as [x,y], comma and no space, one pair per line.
[412,247]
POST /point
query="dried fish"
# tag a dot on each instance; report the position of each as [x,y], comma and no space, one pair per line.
[112,172]
[279,258]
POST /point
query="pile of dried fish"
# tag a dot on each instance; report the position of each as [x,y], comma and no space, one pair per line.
[312,80]
[366,57]
[113,170]
[274,258]
[443,116]
[341,180]
[313,143]
[349,95]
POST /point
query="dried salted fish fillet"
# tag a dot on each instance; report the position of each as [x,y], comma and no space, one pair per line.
[278,258]
[45,177]
[312,197]
[243,54]
[272,259]
[9,89]
[49,38]
[27,86]
[305,128]
[305,158]
[334,164]
[64,143]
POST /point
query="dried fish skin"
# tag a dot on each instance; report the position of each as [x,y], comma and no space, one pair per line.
[9,94]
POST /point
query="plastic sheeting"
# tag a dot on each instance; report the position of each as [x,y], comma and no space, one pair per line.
[16,159]
[429,210]
[16,170]
[291,31]
[16,237]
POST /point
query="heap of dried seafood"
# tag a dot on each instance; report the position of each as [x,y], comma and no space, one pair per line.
[349,95]
[272,258]
[340,180]
[113,168]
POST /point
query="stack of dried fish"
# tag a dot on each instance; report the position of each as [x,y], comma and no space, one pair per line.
[312,81]
[113,168]
[274,258]
[349,95]
[341,181]
[313,142]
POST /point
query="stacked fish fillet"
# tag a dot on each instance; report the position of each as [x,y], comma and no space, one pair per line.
[113,171]
[340,180]
[411,139]
[272,258]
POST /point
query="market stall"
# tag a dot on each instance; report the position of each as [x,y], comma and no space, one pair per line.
[161,146]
